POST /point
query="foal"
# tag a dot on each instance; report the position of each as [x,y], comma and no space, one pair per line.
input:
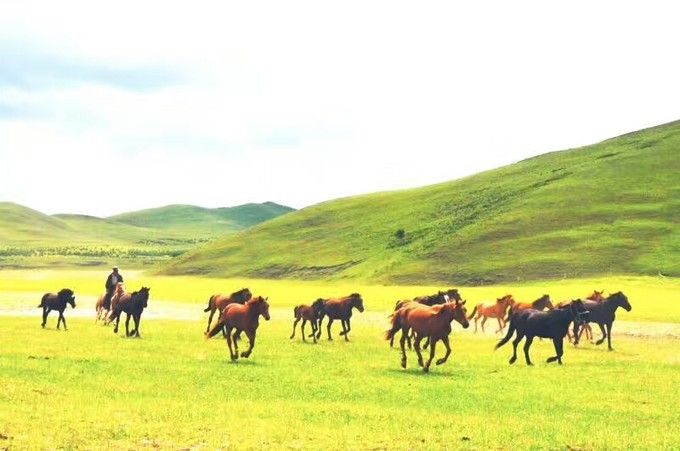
[51,301]
[340,308]
[240,318]
[307,313]
[496,310]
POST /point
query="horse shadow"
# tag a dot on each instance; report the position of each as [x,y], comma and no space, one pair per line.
[418,372]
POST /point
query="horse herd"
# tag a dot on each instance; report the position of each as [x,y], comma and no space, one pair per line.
[427,318]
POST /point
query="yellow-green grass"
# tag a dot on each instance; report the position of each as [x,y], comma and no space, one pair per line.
[653,298]
[87,388]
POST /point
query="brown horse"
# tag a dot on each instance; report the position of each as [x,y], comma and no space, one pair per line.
[220,301]
[241,318]
[307,313]
[440,297]
[51,301]
[431,322]
[493,310]
[133,304]
[340,308]
[597,296]
[101,308]
[539,304]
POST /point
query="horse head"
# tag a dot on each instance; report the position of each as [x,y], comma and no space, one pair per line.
[318,305]
[546,303]
[262,306]
[357,301]
[143,296]
[597,296]
[453,294]
[242,296]
[459,313]
[621,300]
[67,295]
[578,311]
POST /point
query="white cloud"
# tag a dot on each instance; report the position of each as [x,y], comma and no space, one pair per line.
[222,104]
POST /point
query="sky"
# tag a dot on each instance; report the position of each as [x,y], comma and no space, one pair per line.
[114,107]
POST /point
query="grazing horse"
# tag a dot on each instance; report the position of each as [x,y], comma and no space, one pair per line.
[431,322]
[493,310]
[551,324]
[133,304]
[340,308]
[241,317]
[220,301]
[604,313]
[101,307]
[597,296]
[440,297]
[51,301]
[307,313]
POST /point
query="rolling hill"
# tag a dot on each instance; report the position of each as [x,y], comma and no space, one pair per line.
[608,208]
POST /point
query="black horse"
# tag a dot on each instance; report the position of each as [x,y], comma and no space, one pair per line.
[603,313]
[132,304]
[551,324]
[51,301]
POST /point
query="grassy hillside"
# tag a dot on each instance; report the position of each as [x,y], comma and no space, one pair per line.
[609,208]
[31,238]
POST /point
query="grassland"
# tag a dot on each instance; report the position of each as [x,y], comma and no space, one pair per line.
[607,209]
[87,388]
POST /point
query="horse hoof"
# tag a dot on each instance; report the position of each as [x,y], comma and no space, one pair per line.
[512,360]
[426,369]
[530,364]
[440,361]
[611,349]
[403,364]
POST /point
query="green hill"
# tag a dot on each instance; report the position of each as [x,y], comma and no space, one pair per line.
[609,208]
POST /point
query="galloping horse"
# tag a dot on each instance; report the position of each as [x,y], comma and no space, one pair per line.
[340,308]
[220,301]
[551,324]
[241,318]
[604,313]
[495,310]
[539,304]
[101,307]
[133,304]
[307,313]
[51,301]
[440,297]
[597,296]
[431,322]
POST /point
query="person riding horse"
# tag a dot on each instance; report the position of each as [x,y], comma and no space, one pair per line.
[110,286]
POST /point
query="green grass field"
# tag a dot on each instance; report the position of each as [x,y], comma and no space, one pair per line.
[87,388]
[601,210]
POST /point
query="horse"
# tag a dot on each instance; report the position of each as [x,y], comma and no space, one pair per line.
[51,301]
[101,308]
[431,322]
[536,323]
[596,296]
[340,308]
[307,313]
[440,297]
[241,317]
[539,304]
[133,304]
[604,313]
[496,310]
[220,301]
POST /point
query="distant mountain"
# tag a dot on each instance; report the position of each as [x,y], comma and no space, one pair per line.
[608,208]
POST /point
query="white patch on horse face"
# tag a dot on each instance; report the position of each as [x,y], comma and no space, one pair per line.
[446,298]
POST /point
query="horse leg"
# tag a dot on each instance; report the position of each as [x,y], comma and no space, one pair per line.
[427,342]
[330,321]
[558,343]
[314,329]
[63,319]
[476,318]
[445,340]
[231,352]
[527,345]
[500,325]
[115,329]
[127,324]
[210,317]
[294,327]
[302,329]
[589,332]
[402,342]
[609,335]
[251,343]
[410,338]
[416,345]
[137,317]
[318,327]
[604,335]
[345,328]
[515,342]
[483,321]
[433,343]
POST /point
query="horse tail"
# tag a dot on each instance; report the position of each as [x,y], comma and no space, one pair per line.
[296,309]
[210,301]
[396,325]
[42,301]
[508,336]
[215,329]
[474,310]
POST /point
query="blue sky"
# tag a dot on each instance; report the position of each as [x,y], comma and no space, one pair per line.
[111,108]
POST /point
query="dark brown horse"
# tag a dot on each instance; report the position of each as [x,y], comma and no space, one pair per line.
[306,313]
[101,308]
[604,313]
[486,310]
[340,308]
[133,304]
[427,322]
[536,323]
[241,318]
[51,301]
[219,302]
[596,296]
